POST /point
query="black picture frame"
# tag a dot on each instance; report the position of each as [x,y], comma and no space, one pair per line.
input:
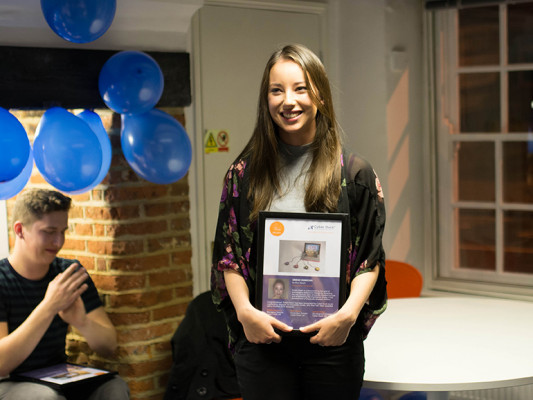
[301,266]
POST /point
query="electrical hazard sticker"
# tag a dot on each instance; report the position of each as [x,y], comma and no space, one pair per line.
[216,141]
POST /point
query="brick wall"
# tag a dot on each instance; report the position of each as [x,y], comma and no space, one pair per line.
[133,237]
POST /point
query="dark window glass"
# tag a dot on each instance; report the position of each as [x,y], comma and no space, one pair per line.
[479,36]
[518,172]
[518,238]
[475,171]
[477,239]
[479,102]
[520,33]
[521,101]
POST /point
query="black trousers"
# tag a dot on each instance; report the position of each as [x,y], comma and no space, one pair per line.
[298,370]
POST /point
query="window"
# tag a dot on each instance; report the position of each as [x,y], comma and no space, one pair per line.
[484,148]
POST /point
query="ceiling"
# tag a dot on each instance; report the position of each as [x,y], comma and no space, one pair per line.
[156,24]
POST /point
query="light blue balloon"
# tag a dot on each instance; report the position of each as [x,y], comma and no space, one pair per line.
[131,82]
[14,146]
[95,123]
[156,146]
[67,152]
[11,188]
[79,21]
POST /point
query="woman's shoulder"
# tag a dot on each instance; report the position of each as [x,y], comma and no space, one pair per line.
[356,165]
[360,171]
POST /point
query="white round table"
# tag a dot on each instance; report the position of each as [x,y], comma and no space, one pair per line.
[442,344]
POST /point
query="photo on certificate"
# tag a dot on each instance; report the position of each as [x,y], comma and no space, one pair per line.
[301,265]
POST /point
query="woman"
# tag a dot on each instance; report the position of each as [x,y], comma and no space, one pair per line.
[295,162]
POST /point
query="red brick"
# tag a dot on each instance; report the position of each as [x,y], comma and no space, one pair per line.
[83,229]
[145,299]
[141,385]
[74,244]
[181,257]
[145,192]
[86,196]
[145,368]
[76,212]
[175,310]
[99,230]
[139,228]
[180,188]
[129,318]
[180,224]
[115,247]
[135,351]
[166,278]
[181,292]
[119,282]
[145,263]
[144,333]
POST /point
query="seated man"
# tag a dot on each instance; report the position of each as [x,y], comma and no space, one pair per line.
[40,295]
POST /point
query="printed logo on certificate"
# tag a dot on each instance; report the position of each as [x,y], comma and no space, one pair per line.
[301,266]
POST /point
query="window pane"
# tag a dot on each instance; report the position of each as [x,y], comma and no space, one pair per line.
[477,239]
[479,36]
[518,237]
[518,172]
[520,101]
[520,33]
[475,171]
[479,102]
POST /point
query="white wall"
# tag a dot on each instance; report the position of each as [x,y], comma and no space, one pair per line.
[379,83]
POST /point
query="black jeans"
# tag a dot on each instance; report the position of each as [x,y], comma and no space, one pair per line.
[298,370]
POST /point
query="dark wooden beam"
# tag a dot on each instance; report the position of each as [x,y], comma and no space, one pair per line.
[37,77]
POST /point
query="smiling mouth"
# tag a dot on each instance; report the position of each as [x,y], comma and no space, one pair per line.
[291,115]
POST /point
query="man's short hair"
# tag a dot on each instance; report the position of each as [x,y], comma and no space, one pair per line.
[31,205]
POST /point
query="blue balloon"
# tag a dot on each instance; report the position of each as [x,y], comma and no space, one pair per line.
[13,187]
[95,123]
[414,396]
[79,21]
[369,394]
[131,82]
[14,146]
[66,150]
[156,146]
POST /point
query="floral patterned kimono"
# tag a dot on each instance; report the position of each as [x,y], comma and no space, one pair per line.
[235,248]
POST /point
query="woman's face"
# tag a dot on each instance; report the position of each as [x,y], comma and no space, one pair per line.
[290,104]
[278,290]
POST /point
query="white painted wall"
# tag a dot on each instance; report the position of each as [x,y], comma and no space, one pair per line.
[379,83]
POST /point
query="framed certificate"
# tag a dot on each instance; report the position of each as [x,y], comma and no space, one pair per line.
[301,265]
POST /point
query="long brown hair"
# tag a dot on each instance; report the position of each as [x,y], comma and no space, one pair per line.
[324,175]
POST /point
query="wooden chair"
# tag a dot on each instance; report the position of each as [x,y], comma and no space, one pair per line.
[403,280]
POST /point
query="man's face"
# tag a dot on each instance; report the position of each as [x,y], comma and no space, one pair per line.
[45,237]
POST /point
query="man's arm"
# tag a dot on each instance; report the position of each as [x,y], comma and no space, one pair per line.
[16,346]
[96,327]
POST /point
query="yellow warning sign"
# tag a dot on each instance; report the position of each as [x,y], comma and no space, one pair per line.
[216,141]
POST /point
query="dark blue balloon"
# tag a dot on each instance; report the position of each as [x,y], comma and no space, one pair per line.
[131,82]
[66,150]
[95,123]
[156,146]
[369,394]
[414,396]
[11,188]
[79,21]
[14,146]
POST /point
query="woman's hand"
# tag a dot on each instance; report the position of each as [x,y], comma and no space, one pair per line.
[259,326]
[332,330]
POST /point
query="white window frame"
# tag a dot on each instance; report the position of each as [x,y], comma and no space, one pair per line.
[442,52]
